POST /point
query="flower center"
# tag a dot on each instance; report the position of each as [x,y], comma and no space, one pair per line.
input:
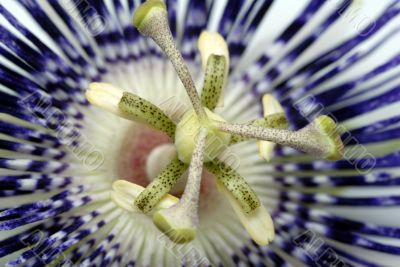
[187,131]
[145,152]
[135,149]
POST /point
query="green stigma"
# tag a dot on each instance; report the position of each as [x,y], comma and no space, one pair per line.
[146,10]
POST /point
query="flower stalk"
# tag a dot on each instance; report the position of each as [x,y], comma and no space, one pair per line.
[276,121]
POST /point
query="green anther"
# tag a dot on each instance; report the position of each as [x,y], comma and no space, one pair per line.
[145,10]
[213,81]
[143,111]
[160,186]
[236,184]
[276,121]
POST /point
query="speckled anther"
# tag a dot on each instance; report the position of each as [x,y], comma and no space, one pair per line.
[235,184]
[214,55]
[160,186]
[125,193]
[258,223]
[213,81]
[141,110]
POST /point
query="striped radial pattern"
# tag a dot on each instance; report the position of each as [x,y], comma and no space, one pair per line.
[58,155]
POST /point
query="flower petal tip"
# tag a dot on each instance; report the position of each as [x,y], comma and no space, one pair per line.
[263,227]
[259,225]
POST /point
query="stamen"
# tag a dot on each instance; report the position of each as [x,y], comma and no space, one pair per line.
[141,110]
[213,44]
[129,106]
[180,221]
[124,194]
[258,223]
[213,81]
[320,138]
[271,106]
[151,19]
[235,184]
[160,186]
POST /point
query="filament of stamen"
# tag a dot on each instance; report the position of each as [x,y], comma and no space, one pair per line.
[187,130]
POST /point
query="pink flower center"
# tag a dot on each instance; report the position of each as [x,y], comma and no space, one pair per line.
[135,150]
